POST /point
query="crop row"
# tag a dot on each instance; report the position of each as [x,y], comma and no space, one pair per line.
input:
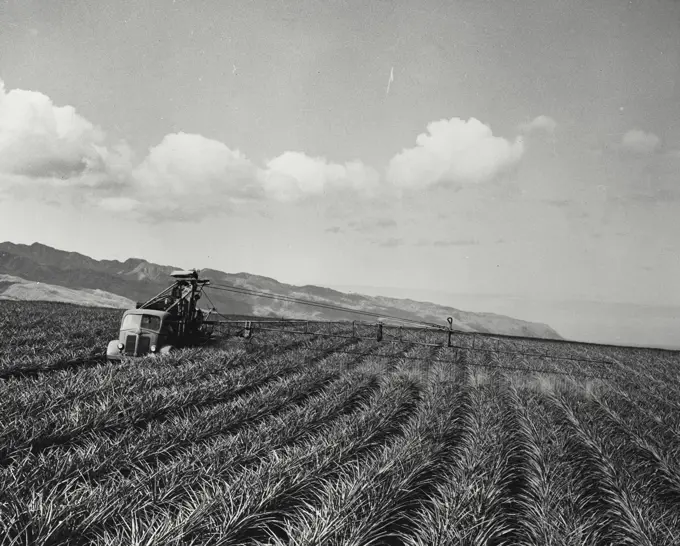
[33,330]
[370,499]
[102,455]
[139,407]
[91,507]
[45,394]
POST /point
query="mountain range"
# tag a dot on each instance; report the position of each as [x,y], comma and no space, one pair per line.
[40,272]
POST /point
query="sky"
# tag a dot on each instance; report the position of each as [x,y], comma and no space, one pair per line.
[528,150]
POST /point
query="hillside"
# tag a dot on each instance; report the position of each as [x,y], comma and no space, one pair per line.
[136,280]
[16,288]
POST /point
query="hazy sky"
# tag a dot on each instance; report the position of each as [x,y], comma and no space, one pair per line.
[526,147]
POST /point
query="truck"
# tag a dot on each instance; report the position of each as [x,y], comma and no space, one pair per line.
[168,321]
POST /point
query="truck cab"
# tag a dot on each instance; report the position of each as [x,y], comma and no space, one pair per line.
[143,332]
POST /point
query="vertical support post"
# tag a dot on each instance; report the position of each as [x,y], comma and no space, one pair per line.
[380,332]
[450,321]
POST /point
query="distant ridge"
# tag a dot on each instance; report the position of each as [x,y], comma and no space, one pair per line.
[16,288]
[135,279]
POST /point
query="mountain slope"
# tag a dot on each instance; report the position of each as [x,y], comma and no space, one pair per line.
[138,280]
[135,279]
[16,288]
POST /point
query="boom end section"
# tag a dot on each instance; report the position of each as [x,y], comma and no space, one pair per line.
[191,274]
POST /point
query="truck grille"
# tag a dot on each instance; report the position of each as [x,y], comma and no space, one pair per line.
[137,345]
[143,345]
[130,343]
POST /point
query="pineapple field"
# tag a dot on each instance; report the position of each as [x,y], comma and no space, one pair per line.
[286,439]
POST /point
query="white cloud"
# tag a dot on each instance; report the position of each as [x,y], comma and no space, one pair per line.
[56,150]
[454,151]
[187,176]
[640,142]
[55,153]
[294,175]
[41,140]
[539,123]
[190,165]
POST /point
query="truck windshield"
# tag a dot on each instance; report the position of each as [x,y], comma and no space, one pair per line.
[147,322]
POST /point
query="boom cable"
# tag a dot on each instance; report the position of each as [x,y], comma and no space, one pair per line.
[330,306]
[273,319]
[291,299]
